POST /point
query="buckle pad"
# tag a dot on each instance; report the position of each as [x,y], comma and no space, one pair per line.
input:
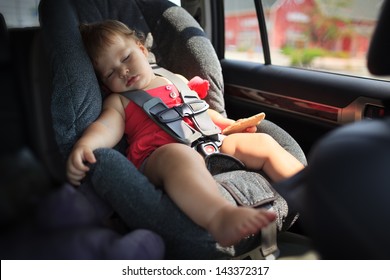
[206,148]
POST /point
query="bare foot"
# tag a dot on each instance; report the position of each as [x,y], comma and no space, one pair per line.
[231,224]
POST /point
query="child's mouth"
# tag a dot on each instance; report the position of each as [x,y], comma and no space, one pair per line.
[132,80]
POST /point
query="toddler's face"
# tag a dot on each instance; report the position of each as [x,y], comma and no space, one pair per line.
[124,65]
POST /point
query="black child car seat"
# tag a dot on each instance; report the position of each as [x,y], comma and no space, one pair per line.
[180,45]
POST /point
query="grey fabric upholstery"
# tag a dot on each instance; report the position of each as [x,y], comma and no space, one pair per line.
[180,45]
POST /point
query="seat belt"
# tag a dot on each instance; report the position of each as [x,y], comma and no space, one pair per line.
[205,138]
[201,120]
[170,119]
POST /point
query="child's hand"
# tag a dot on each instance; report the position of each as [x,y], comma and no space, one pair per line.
[239,126]
[76,167]
[250,129]
[245,125]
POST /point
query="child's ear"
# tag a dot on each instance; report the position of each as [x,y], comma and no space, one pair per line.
[143,48]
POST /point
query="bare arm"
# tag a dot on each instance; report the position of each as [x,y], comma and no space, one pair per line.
[106,131]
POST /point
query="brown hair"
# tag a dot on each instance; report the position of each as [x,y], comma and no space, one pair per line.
[97,36]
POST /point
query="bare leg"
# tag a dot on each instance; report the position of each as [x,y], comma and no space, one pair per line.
[260,151]
[182,172]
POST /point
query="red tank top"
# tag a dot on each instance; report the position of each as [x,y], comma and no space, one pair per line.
[143,134]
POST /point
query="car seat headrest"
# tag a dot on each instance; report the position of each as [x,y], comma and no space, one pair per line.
[4,52]
[378,59]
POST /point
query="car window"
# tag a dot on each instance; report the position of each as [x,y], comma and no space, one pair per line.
[177,2]
[242,36]
[325,35]
[20,13]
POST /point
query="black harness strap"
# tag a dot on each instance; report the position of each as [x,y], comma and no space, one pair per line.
[201,119]
[170,120]
[206,135]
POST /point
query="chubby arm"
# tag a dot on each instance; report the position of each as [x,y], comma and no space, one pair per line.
[106,131]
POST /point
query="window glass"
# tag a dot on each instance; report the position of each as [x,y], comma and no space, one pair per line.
[177,2]
[325,35]
[20,13]
[242,36]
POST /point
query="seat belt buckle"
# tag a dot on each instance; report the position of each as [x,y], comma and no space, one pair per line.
[207,148]
[269,248]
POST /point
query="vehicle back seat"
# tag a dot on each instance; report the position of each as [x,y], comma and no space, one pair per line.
[22,175]
[10,109]
[34,86]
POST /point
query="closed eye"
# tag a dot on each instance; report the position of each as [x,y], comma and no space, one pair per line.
[109,74]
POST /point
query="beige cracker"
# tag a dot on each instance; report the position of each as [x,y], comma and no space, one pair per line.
[242,124]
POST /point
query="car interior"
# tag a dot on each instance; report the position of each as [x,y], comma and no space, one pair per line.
[51,94]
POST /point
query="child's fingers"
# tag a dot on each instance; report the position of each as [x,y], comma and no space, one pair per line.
[251,129]
[90,157]
[75,180]
[78,164]
[75,175]
[76,171]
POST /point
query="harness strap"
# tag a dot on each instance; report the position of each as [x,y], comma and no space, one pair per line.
[186,94]
[172,123]
[171,119]
[201,120]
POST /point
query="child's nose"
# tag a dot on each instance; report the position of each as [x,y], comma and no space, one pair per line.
[123,72]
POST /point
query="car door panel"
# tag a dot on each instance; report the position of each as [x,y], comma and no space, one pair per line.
[300,100]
